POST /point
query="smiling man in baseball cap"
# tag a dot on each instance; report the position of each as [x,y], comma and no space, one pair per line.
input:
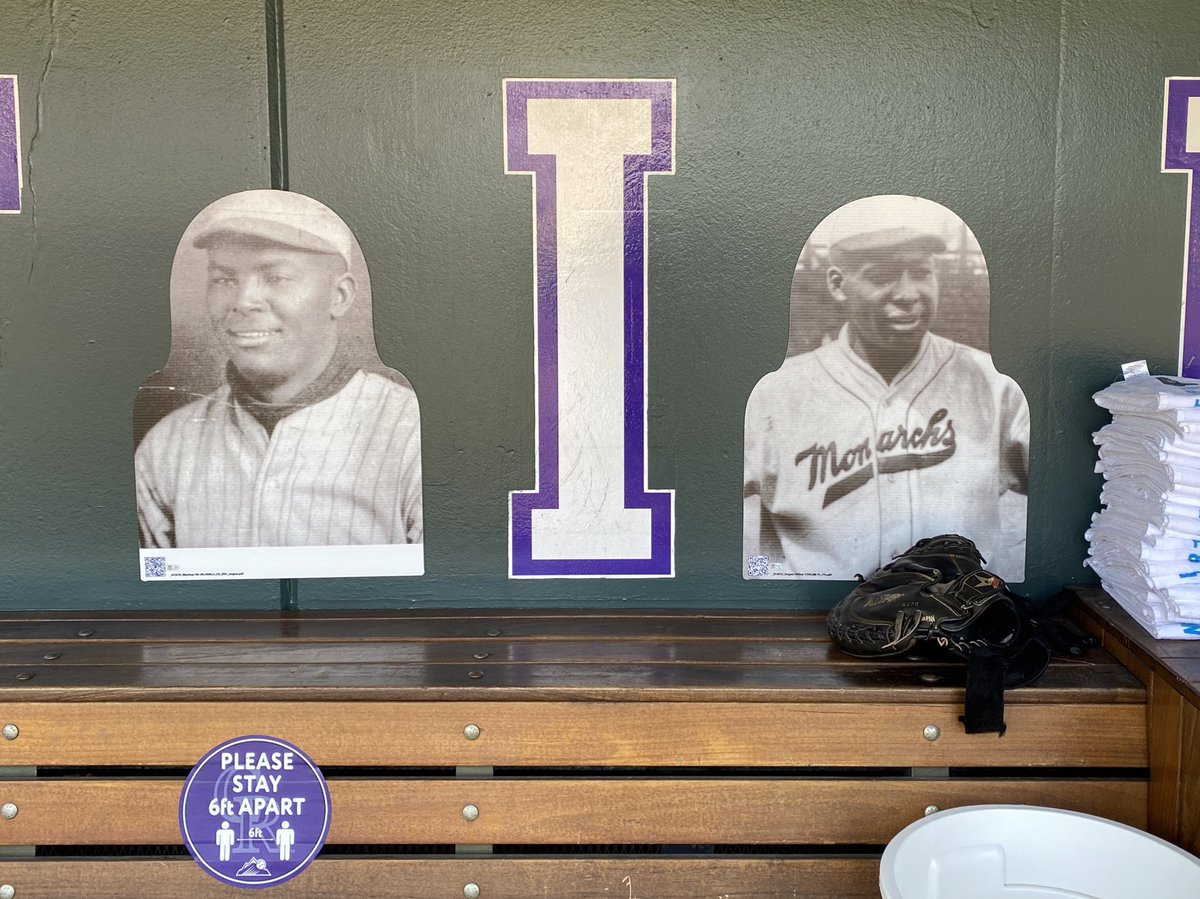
[887,432]
[885,279]
[301,446]
[278,282]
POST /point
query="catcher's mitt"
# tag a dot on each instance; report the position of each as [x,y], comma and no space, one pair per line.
[937,597]
[938,591]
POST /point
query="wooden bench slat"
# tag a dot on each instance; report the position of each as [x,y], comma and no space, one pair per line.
[1098,604]
[383,626]
[1186,670]
[1165,721]
[1189,777]
[580,733]
[680,682]
[765,652]
[416,878]
[669,612]
[463,652]
[566,811]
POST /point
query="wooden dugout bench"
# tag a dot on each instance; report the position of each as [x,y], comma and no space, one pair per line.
[1170,669]
[634,755]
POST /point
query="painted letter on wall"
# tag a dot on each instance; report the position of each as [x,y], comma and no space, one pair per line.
[589,146]
[1181,153]
[10,145]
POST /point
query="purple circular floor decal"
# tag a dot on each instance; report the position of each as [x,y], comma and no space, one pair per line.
[254,812]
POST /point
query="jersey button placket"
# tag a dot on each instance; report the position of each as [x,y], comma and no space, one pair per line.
[894,493]
[267,493]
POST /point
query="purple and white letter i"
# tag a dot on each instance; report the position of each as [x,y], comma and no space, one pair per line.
[590,146]
[10,145]
[1181,153]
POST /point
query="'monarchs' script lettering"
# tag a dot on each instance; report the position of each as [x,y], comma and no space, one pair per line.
[894,450]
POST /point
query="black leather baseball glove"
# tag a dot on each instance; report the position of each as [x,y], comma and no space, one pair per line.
[937,599]
[936,592]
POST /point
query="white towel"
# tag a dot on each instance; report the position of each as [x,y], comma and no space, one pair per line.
[1150,393]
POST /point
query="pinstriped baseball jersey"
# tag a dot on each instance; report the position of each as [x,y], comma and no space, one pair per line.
[345,470]
[852,471]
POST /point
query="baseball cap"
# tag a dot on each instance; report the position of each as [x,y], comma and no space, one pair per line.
[869,226]
[871,244]
[276,216]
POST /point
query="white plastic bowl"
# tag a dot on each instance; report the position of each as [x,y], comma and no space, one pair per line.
[1027,852]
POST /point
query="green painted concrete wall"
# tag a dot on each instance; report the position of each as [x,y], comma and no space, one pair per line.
[1038,122]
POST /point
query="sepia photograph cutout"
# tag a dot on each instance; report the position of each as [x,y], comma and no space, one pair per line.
[275,443]
[887,421]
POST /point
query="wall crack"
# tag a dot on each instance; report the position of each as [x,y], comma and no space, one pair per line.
[52,49]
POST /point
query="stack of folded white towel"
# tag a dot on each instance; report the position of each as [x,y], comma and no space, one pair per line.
[1145,543]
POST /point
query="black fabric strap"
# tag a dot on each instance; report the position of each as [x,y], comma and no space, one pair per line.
[984,713]
[1027,664]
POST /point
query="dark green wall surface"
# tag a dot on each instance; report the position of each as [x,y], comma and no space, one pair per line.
[1038,122]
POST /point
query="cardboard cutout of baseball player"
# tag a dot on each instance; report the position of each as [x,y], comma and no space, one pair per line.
[275,443]
[888,422]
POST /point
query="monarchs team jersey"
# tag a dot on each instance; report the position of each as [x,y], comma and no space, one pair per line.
[852,471]
[345,470]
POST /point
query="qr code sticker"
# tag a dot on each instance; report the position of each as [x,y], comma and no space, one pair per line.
[156,566]
[756,566]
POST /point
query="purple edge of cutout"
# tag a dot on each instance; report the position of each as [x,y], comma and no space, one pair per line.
[1176,157]
[636,496]
[10,159]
